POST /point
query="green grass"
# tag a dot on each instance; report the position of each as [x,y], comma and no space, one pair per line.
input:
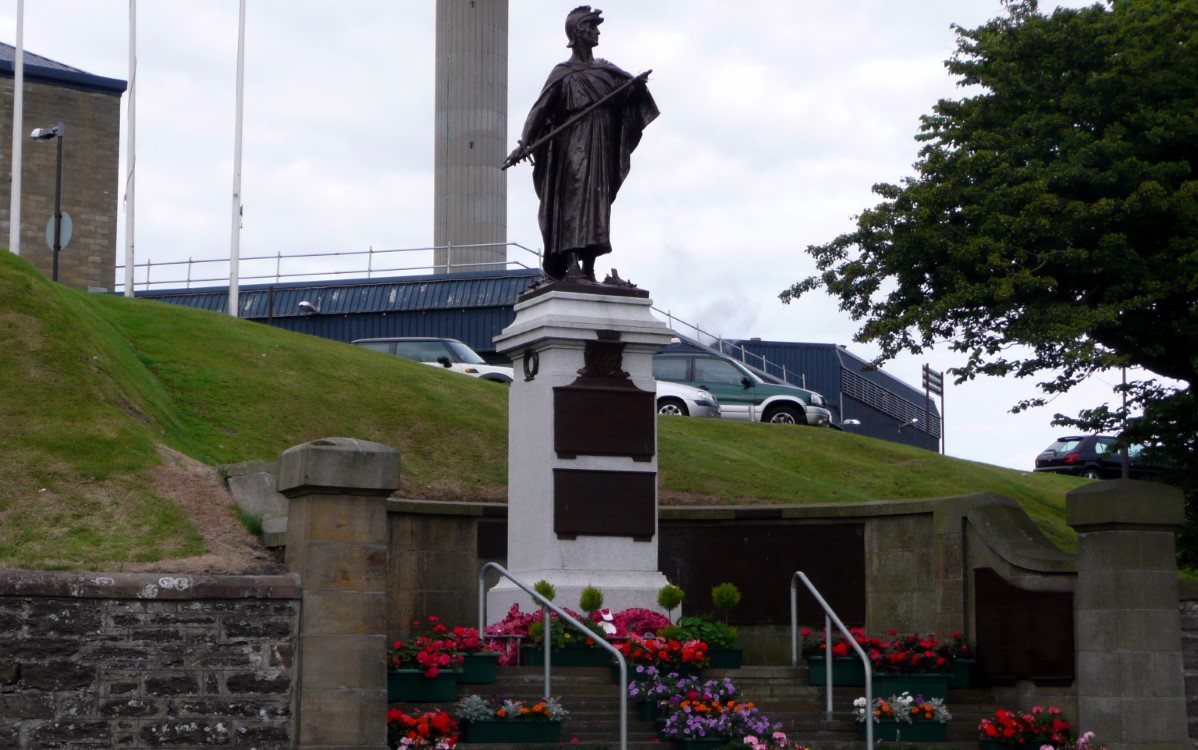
[92,384]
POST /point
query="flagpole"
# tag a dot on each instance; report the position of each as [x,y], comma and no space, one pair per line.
[18,135]
[131,155]
[235,242]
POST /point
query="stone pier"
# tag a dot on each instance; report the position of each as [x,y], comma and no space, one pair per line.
[1130,675]
[337,541]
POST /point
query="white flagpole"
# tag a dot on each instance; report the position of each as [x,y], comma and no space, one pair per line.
[131,155]
[235,244]
[18,134]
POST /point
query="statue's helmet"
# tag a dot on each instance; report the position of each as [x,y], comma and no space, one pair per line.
[576,18]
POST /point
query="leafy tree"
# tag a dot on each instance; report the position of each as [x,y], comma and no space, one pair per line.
[1051,228]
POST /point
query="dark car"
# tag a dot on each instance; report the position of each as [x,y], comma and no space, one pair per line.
[1094,457]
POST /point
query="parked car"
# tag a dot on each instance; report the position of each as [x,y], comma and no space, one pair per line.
[678,400]
[741,393]
[1094,457]
[448,353]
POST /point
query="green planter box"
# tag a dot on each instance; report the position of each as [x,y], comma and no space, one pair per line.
[648,710]
[846,672]
[962,676]
[701,743]
[570,656]
[927,685]
[897,731]
[512,731]
[726,658]
[479,668]
[411,686]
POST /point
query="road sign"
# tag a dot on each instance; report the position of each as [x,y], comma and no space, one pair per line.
[933,381]
[66,231]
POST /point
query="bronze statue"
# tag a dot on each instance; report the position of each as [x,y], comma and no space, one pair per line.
[580,135]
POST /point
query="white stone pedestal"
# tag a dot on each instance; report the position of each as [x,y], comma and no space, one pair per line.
[567,511]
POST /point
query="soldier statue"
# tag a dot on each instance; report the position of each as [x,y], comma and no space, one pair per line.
[580,136]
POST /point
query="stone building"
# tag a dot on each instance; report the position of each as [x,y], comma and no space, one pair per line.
[90,107]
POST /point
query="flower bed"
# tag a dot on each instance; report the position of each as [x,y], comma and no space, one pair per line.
[696,714]
[499,720]
[506,636]
[897,655]
[903,718]
[662,653]
[431,652]
[1039,727]
[434,730]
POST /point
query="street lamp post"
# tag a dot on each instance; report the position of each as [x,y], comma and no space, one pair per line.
[42,134]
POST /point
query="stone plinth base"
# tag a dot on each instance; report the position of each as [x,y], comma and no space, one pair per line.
[582,447]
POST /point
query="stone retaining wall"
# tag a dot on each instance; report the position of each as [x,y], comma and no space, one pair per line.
[1189,646]
[146,660]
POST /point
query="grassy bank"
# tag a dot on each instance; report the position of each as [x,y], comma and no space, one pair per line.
[92,384]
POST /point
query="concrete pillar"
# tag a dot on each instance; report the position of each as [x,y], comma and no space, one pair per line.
[337,542]
[1130,679]
[470,136]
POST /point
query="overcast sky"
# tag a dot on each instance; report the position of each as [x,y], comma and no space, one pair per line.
[777,118]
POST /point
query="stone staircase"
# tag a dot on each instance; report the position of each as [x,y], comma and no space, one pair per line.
[782,693]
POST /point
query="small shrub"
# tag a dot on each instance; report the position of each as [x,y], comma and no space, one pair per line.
[725,596]
[545,589]
[590,599]
[669,597]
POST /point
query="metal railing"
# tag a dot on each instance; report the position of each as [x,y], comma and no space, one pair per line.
[546,606]
[736,351]
[258,267]
[830,618]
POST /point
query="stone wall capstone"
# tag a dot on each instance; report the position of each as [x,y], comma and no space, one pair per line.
[146,660]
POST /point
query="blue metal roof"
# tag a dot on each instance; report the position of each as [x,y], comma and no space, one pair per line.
[38,68]
[855,389]
[472,307]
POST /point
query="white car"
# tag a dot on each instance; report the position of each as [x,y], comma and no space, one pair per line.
[451,354]
[678,400]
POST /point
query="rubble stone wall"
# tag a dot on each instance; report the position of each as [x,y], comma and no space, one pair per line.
[147,660]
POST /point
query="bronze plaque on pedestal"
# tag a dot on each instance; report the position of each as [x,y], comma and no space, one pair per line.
[604,503]
[602,420]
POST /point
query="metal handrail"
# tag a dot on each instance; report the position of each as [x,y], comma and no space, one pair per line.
[277,275]
[727,348]
[829,618]
[546,606]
